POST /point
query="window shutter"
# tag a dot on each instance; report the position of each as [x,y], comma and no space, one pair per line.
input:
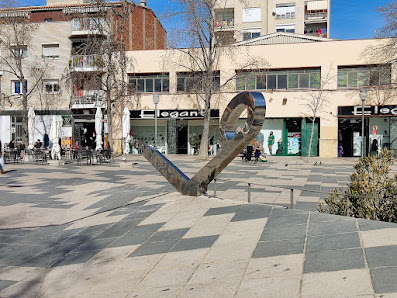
[51,51]
[251,14]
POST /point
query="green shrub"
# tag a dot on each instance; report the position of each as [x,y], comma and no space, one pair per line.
[371,193]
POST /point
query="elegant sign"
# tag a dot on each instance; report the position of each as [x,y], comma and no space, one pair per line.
[377,111]
[176,114]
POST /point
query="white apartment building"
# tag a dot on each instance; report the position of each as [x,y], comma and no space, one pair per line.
[243,20]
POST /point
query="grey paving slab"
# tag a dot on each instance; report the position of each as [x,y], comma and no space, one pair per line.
[6,283]
[282,232]
[381,256]
[279,248]
[195,243]
[332,242]
[76,258]
[248,212]
[366,225]
[154,248]
[334,260]
[222,210]
[331,227]
[384,280]
[168,235]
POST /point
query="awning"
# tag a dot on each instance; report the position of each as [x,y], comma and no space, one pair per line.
[317,5]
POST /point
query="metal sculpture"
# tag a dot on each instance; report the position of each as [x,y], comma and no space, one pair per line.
[232,144]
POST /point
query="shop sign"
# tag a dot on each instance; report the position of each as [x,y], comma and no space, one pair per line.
[380,111]
[175,114]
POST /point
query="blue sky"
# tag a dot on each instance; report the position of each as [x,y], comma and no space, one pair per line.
[350,19]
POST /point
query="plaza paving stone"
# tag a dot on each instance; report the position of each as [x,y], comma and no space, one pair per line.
[102,230]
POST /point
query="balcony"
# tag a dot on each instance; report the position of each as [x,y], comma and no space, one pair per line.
[88,99]
[93,26]
[86,63]
[316,17]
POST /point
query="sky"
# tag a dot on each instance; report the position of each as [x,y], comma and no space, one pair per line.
[350,19]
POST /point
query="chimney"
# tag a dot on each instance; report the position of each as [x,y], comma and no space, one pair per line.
[143,3]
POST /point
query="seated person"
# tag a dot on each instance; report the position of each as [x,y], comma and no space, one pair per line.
[38,144]
[11,145]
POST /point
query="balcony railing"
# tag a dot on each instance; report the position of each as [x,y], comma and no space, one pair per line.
[86,62]
[224,23]
[316,16]
[88,99]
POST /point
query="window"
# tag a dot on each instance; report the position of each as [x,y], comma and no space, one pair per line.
[50,51]
[20,52]
[251,14]
[51,86]
[17,87]
[192,82]
[249,34]
[285,11]
[286,28]
[88,24]
[148,83]
[363,76]
[48,20]
[224,18]
[278,79]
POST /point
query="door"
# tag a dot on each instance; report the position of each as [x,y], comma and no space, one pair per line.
[182,138]
[306,133]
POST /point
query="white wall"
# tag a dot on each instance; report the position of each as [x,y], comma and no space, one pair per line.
[5,129]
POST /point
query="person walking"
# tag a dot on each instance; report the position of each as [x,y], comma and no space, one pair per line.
[1,159]
[258,151]
[270,142]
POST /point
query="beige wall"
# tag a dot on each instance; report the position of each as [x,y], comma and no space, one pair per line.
[327,55]
[46,33]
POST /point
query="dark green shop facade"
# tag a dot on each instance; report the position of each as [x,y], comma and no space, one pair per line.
[291,136]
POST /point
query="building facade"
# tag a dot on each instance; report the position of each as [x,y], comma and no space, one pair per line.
[64,64]
[243,20]
[292,77]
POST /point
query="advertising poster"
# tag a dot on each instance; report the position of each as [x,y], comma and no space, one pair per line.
[294,143]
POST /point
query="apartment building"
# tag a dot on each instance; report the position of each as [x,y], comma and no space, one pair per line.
[68,40]
[240,20]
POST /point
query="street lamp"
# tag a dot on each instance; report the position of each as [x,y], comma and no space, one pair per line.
[156,100]
[363,96]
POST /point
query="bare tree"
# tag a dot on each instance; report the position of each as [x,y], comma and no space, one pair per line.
[316,100]
[200,51]
[16,33]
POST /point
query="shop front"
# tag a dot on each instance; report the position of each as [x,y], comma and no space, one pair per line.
[178,131]
[380,130]
[291,136]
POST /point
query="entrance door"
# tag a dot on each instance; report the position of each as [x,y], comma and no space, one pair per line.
[181,131]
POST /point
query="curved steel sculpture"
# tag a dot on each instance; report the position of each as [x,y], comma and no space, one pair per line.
[232,144]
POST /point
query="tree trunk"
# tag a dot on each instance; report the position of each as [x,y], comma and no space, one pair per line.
[203,154]
[311,137]
[25,138]
[109,116]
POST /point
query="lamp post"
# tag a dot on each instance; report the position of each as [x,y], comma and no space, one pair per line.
[156,100]
[363,96]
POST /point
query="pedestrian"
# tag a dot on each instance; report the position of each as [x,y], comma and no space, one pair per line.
[270,142]
[250,149]
[46,141]
[1,159]
[258,150]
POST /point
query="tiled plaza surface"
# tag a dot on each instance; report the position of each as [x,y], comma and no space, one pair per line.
[106,230]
